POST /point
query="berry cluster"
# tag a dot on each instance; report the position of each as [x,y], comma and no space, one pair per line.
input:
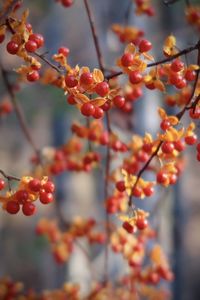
[29,190]
[128,34]
[62,243]
[144,7]
[14,290]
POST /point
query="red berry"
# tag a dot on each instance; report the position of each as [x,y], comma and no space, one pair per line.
[141,223]
[49,187]
[106,106]
[22,196]
[28,209]
[147,148]
[120,185]
[67,3]
[2,184]
[87,109]
[137,192]
[195,114]
[71,100]
[86,78]
[148,191]
[145,46]
[104,138]
[191,139]
[12,207]
[71,81]
[135,77]
[29,27]
[102,88]
[177,65]
[12,47]
[162,177]
[128,227]
[165,124]
[98,113]
[173,179]
[64,50]
[46,198]
[34,185]
[181,84]
[32,76]
[190,75]
[2,37]
[179,145]
[38,38]
[167,147]
[127,59]
[31,46]
[119,101]
[175,78]
[154,278]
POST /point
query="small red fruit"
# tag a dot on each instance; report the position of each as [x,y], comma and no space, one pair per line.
[177,65]
[46,198]
[31,46]
[179,145]
[102,88]
[22,196]
[137,192]
[120,185]
[34,185]
[119,101]
[12,47]
[2,184]
[71,100]
[98,113]
[71,81]
[141,223]
[190,75]
[12,207]
[167,147]
[145,46]
[86,78]
[127,59]
[148,191]
[28,209]
[64,50]
[87,109]
[162,177]
[165,124]
[38,38]
[128,227]
[135,77]
[49,187]
[191,139]
[33,76]
[67,3]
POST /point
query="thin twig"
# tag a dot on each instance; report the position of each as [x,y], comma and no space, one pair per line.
[42,57]
[19,112]
[94,35]
[9,177]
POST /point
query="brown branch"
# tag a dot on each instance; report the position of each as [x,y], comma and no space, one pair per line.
[9,177]
[42,57]
[94,35]
[19,112]
[162,61]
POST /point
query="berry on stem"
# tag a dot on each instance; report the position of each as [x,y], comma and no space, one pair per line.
[12,47]
[135,77]
[12,207]
[87,109]
[102,88]
[145,46]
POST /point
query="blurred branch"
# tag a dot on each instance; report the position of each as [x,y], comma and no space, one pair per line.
[19,112]
[8,11]
[94,35]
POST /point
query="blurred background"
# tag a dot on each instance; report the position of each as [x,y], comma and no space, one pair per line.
[26,257]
